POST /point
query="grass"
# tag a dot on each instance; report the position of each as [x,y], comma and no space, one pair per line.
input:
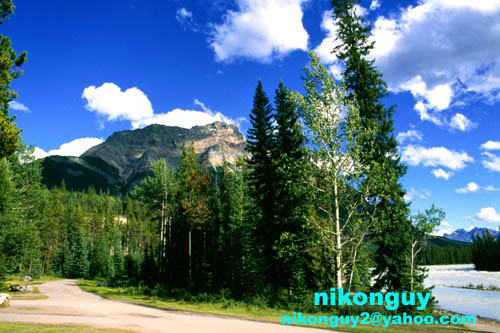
[15,327]
[231,308]
[17,279]
[27,297]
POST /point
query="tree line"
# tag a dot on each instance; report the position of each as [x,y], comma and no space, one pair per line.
[321,182]
[486,252]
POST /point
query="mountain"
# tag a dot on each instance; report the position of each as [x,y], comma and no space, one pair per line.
[123,160]
[466,236]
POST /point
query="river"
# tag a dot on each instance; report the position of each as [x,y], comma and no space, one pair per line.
[448,279]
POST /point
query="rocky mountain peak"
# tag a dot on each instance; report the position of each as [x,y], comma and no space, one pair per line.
[123,160]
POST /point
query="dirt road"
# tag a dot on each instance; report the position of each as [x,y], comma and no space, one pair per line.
[68,304]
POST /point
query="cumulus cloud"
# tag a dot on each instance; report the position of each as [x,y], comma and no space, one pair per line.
[324,50]
[411,135]
[110,101]
[492,161]
[184,118]
[133,105]
[488,214]
[414,193]
[461,123]
[440,173]
[436,156]
[444,59]
[15,105]
[260,30]
[471,187]
[491,145]
[73,148]
[432,50]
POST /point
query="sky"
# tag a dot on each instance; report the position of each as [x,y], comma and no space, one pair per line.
[97,67]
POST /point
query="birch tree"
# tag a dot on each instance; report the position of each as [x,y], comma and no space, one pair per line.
[423,225]
[340,188]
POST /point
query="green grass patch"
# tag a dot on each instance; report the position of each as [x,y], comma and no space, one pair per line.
[15,327]
[27,297]
[232,308]
[17,279]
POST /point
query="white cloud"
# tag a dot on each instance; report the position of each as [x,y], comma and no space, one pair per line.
[443,54]
[360,10]
[260,30]
[446,224]
[374,5]
[443,228]
[133,105]
[491,145]
[324,50]
[488,214]
[414,193]
[182,14]
[185,18]
[440,173]
[432,50]
[15,105]
[110,101]
[491,188]
[492,162]
[422,110]
[72,148]
[436,156]
[187,118]
[411,135]
[471,187]
[462,123]
[184,118]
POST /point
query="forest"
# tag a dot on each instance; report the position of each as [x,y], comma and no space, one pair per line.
[321,185]
[486,252]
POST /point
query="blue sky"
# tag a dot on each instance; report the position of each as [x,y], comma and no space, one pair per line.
[96,67]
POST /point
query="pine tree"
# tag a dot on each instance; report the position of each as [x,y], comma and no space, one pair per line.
[365,83]
[289,155]
[9,62]
[260,145]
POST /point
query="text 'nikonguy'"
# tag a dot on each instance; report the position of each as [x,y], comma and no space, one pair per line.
[391,300]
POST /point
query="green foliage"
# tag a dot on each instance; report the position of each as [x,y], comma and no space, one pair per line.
[364,83]
[339,188]
[9,62]
[486,252]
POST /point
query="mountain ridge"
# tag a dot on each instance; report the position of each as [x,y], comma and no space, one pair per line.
[123,160]
[466,236]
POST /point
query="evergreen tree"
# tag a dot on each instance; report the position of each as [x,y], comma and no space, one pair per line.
[365,83]
[195,208]
[292,262]
[9,62]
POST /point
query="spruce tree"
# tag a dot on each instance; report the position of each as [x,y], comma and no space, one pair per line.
[9,63]
[260,146]
[290,210]
[365,84]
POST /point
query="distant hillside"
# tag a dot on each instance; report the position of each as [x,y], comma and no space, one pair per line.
[442,251]
[123,160]
[438,241]
[466,236]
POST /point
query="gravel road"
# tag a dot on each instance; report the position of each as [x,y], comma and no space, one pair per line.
[68,304]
